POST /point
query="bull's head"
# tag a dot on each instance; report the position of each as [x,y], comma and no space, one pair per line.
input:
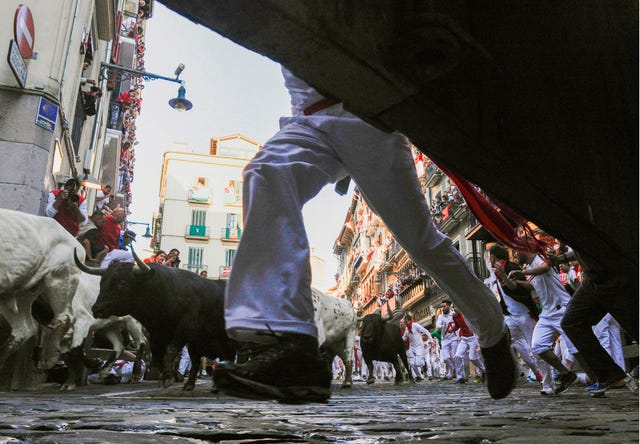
[119,285]
[372,326]
[98,271]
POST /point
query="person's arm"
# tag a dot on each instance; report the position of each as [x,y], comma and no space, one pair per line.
[424,331]
[563,258]
[504,279]
[538,269]
[82,209]
[52,205]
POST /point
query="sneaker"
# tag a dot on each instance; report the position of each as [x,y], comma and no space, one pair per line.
[596,387]
[546,391]
[290,370]
[564,382]
[418,379]
[628,381]
[501,367]
[460,381]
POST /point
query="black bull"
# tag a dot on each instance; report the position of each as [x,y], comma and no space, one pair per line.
[381,340]
[176,307]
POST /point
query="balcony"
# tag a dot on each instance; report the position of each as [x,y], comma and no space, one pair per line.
[199,197]
[432,175]
[224,272]
[228,234]
[197,232]
[412,294]
[197,268]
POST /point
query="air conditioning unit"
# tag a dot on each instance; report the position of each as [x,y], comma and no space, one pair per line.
[131,8]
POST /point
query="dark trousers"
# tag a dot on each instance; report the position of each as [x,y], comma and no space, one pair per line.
[590,303]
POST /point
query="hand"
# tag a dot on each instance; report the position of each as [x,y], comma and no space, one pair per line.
[513,272]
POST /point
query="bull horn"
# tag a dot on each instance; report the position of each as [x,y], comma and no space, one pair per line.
[143,268]
[90,270]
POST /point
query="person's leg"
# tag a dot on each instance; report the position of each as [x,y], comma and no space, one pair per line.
[382,166]
[460,358]
[474,355]
[270,284]
[268,304]
[583,312]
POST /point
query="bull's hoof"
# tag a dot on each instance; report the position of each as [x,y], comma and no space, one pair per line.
[347,384]
[371,380]
[166,383]
[188,387]
[67,387]
[214,390]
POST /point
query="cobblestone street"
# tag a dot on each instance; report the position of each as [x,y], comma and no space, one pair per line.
[437,411]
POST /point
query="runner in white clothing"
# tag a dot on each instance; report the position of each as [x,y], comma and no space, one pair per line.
[553,300]
[413,332]
[449,341]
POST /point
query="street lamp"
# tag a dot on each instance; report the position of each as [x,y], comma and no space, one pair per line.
[88,181]
[147,233]
[180,103]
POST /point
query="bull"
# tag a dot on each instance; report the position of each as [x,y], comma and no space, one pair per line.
[175,306]
[381,340]
[39,266]
[336,323]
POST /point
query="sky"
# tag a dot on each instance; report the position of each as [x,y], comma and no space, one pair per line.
[233,90]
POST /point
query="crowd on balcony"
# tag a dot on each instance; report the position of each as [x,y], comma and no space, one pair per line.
[126,106]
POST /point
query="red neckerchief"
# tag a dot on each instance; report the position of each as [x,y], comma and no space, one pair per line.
[409,324]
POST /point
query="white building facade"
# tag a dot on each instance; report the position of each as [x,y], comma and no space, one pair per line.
[201,204]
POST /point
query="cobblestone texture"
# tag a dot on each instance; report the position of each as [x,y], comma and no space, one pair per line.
[437,411]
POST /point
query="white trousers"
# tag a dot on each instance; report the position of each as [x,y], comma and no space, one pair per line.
[271,275]
[544,337]
[448,354]
[608,333]
[521,327]
[415,356]
[468,350]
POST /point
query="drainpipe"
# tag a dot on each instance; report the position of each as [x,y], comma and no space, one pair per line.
[66,136]
[88,157]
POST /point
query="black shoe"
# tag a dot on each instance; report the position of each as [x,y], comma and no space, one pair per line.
[564,382]
[291,371]
[501,368]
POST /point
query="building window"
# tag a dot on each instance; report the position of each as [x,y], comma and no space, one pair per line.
[195,258]
[198,217]
[229,255]
[199,190]
[233,220]
[233,192]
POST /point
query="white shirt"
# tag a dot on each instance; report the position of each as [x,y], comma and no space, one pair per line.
[415,335]
[446,321]
[50,211]
[103,202]
[302,95]
[553,297]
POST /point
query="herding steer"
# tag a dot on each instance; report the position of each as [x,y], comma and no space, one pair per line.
[38,261]
[336,322]
[381,340]
[175,306]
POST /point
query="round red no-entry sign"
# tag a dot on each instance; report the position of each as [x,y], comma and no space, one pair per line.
[24,31]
